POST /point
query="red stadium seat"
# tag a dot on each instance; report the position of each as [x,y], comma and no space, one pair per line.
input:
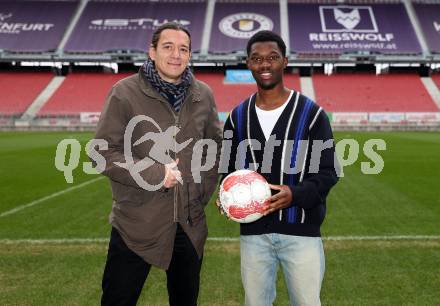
[86,92]
[371,93]
[19,90]
[230,95]
[436,79]
[81,92]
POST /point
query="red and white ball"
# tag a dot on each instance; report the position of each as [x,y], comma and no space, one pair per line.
[243,194]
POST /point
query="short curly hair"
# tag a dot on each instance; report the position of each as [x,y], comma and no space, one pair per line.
[264,36]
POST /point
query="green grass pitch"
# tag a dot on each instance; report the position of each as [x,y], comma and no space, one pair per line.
[42,264]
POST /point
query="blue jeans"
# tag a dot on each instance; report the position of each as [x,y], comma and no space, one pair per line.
[302,260]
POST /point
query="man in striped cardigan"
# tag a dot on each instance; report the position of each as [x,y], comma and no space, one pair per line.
[287,138]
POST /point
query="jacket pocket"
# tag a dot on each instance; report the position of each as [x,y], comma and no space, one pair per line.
[196,210]
[128,195]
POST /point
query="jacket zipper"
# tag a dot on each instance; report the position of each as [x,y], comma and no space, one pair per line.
[176,125]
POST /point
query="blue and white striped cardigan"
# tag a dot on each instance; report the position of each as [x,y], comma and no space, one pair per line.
[301,128]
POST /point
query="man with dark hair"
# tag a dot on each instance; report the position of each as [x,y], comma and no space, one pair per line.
[151,122]
[265,36]
[288,140]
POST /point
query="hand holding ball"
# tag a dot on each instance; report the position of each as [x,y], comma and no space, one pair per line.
[243,195]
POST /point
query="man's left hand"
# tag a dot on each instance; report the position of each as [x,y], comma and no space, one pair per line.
[282,199]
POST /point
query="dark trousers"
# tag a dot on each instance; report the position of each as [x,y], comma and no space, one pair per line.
[125,273]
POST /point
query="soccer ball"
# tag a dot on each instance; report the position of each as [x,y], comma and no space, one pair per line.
[243,194]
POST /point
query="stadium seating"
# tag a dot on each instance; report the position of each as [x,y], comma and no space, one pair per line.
[229,95]
[371,93]
[86,92]
[20,89]
[81,92]
[436,79]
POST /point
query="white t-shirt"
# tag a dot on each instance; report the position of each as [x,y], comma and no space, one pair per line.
[268,118]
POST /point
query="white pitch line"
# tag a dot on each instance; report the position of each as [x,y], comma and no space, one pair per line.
[385,237]
[353,238]
[222,239]
[54,241]
[51,196]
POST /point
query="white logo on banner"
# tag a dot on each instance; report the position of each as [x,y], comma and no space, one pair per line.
[164,142]
[3,17]
[131,23]
[18,27]
[349,19]
[89,117]
[350,27]
[246,25]
[436,26]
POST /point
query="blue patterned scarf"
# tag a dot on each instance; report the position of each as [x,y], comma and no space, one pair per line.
[173,93]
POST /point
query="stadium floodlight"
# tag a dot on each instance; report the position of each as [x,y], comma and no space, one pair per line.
[345,65]
[400,64]
[291,64]
[203,64]
[381,68]
[42,64]
[328,68]
[112,66]
[87,64]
